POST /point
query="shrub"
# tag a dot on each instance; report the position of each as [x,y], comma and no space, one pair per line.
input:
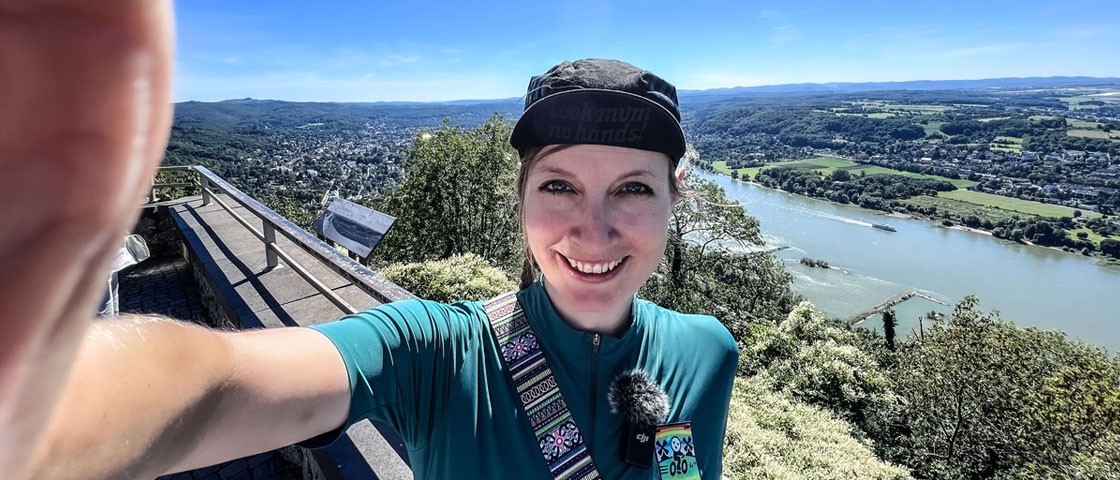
[816,360]
[773,436]
[460,277]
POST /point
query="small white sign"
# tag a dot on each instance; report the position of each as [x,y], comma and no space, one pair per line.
[353,226]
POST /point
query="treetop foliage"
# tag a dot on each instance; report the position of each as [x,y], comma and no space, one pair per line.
[456,196]
[715,263]
[975,397]
[773,436]
[459,277]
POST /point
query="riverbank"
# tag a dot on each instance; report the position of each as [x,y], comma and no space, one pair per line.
[971,230]
[1032,287]
[951,213]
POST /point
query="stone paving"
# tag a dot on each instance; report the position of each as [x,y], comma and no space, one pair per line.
[166,286]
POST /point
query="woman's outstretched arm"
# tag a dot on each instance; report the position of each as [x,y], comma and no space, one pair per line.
[85,111]
[149,396]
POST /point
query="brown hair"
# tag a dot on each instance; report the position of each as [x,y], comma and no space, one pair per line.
[528,157]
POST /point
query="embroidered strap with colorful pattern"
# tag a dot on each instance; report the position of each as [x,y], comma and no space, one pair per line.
[559,439]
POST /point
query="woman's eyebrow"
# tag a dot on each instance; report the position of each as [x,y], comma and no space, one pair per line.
[555,170]
[641,172]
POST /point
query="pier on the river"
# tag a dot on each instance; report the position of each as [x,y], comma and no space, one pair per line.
[882,307]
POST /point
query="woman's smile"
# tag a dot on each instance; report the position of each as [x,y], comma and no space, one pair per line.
[594,271]
[595,219]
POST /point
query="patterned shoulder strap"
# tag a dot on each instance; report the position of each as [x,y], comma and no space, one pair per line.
[559,439]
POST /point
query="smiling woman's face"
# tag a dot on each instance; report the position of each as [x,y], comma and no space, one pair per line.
[595,219]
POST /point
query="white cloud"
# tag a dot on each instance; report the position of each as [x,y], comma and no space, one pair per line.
[704,81]
[399,58]
[771,15]
[984,50]
[783,34]
[300,85]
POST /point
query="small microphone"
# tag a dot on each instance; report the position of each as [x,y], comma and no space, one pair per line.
[643,405]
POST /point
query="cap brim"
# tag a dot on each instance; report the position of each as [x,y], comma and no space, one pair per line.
[603,117]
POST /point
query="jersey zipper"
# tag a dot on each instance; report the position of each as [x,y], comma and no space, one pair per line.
[595,340]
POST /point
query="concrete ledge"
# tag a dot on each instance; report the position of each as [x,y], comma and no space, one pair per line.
[229,262]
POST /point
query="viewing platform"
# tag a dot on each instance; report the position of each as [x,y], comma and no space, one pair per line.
[222,259]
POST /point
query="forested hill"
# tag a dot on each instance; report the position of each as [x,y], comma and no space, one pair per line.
[1004,132]
[1018,83]
[278,113]
[281,114]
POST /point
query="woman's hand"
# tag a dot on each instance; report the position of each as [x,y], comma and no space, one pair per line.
[85,111]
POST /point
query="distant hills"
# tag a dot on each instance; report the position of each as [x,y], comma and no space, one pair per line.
[831,87]
[987,83]
[278,113]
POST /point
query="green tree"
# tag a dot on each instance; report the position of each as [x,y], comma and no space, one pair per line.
[461,277]
[982,398]
[889,324]
[706,220]
[840,175]
[714,263]
[817,360]
[773,436]
[290,209]
[1110,247]
[456,196]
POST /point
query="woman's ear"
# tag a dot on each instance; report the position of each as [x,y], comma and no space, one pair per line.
[679,176]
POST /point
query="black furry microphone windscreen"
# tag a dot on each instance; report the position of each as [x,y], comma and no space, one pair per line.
[639,399]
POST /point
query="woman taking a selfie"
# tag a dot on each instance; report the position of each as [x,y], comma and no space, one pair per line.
[570,377]
[601,148]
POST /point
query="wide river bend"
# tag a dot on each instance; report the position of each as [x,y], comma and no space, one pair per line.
[1030,286]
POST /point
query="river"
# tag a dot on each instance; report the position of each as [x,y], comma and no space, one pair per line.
[1030,286]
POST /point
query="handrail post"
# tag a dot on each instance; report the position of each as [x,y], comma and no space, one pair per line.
[205,182]
[270,245]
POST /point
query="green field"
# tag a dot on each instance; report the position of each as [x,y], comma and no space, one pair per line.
[827,165]
[721,167]
[922,108]
[1093,237]
[875,169]
[1077,103]
[932,127]
[1007,144]
[1013,204]
[959,209]
[1082,124]
[1094,134]
[888,110]
[879,115]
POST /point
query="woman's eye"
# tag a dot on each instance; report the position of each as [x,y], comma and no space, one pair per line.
[635,188]
[555,187]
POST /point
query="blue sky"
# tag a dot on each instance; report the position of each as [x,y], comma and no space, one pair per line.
[441,50]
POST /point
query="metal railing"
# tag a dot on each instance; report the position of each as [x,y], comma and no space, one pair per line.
[211,185]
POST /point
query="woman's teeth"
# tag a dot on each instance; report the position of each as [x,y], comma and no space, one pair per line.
[596,268]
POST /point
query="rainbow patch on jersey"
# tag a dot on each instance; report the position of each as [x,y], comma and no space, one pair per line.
[676,452]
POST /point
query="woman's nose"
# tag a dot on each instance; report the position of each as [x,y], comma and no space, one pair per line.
[596,224]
